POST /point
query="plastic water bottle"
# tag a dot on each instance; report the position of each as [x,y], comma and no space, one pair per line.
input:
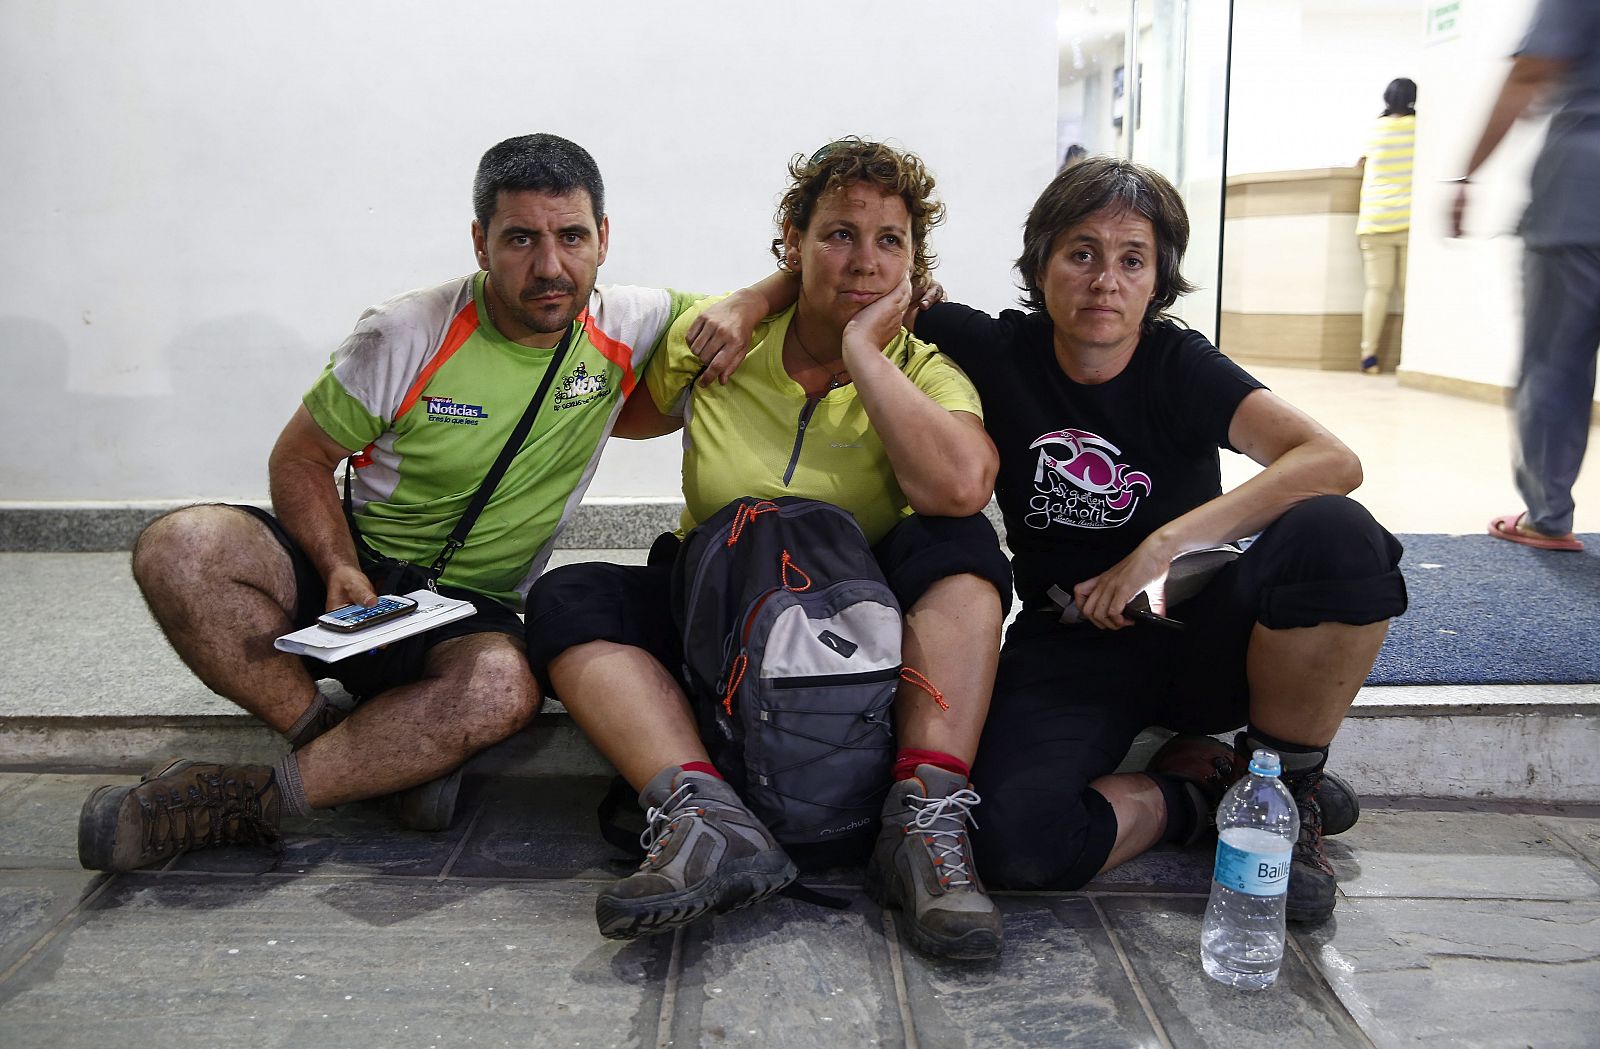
[1241,942]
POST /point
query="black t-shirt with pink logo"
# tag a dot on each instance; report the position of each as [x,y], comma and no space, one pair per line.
[1088,471]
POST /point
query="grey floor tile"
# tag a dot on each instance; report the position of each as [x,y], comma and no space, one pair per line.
[39,819]
[10,781]
[1465,973]
[1458,854]
[1162,941]
[1165,868]
[787,974]
[32,902]
[177,962]
[541,828]
[1057,982]
[1581,834]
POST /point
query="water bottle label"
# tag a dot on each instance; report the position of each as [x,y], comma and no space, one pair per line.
[1254,873]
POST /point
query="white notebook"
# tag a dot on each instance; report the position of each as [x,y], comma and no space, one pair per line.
[330,646]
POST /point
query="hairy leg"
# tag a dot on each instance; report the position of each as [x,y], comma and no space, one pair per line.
[474,692]
[629,707]
[952,636]
[222,589]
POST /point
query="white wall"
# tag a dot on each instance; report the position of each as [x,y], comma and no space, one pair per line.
[1308,78]
[199,199]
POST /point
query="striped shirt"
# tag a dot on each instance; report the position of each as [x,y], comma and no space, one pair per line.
[1386,181]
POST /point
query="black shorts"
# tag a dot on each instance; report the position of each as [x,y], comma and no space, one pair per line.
[393,665]
[632,604]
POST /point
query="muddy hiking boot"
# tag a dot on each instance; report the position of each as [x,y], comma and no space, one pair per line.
[1327,806]
[1211,767]
[1313,886]
[704,851]
[1326,803]
[923,865]
[1206,766]
[1338,806]
[176,808]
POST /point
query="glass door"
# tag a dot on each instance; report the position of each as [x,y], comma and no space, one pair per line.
[1148,80]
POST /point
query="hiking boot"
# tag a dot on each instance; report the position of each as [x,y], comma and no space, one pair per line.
[1205,764]
[178,807]
[430,806]
[704,851]
[1341,808]
[923,865]
[1313,886]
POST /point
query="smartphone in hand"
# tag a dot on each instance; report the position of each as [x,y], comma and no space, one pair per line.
[351,618]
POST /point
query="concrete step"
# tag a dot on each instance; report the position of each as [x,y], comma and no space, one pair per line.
[89,682]
[1509,743]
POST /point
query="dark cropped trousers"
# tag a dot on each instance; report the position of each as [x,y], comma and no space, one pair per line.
[1069,700]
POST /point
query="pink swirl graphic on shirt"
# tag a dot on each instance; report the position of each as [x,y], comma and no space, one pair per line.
[1081,484]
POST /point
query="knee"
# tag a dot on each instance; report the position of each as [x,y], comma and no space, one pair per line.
[1034,847]
[1332,563]
[925,553]
[182,537]
[1335,537]
[501,694]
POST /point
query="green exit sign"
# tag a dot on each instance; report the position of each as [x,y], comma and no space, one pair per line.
[1444,22]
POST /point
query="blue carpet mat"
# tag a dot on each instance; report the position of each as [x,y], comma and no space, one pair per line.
[1488,612]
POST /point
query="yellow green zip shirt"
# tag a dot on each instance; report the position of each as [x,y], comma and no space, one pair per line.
[759,435]
[429,392]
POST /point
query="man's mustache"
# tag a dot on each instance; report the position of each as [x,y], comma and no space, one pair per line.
[543,287]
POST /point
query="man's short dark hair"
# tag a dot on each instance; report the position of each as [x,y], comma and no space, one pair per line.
[546,163]
[1098,184]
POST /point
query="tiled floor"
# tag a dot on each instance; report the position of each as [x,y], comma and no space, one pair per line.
[1433,463]
[1457,929]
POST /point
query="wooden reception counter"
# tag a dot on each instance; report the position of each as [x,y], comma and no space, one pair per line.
[1291,273]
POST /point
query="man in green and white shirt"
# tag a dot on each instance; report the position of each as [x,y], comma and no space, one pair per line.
[420,398]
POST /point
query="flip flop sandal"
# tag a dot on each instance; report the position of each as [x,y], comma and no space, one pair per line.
[1505,527]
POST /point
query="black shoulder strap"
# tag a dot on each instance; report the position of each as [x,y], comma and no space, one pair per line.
[458,535]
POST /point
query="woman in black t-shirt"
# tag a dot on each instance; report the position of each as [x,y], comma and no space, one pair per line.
[1108,418]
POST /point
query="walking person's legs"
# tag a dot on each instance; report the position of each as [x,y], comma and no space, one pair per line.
[1555,385]
[1379,258]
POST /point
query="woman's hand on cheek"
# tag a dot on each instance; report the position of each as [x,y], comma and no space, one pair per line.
[870,330]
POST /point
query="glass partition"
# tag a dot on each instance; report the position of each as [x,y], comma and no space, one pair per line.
[1169,112]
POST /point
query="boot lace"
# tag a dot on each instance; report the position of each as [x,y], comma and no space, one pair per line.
[212,809]
[1308,847]
[942,822]
[664,820]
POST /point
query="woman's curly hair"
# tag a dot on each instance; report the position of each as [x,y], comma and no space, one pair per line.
[851,160]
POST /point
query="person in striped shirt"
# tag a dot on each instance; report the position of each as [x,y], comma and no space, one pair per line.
[1384,221]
